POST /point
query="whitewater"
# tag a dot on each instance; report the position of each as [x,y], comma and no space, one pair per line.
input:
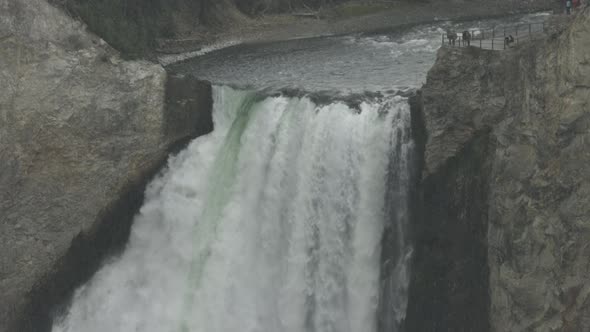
[272,222]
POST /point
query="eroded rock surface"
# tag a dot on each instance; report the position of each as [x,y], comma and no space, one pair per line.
[526,113]
[80,132]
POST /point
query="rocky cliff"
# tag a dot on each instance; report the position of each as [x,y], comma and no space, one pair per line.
[134,27]
[503,240]
[81,131]
[144,29]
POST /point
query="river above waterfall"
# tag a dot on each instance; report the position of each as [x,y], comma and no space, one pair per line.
[396,60]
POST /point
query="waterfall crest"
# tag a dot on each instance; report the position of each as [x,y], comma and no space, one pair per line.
[273,222]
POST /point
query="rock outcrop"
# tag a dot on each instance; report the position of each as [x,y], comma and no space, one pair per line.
[503,242]
[81,132]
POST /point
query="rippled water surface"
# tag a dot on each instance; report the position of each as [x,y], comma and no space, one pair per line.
[347,64]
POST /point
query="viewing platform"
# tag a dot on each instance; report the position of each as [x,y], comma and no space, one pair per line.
[497,39]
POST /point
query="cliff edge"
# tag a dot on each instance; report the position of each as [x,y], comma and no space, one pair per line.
[81,131]
[502,243]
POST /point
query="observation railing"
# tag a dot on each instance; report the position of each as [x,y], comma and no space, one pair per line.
[497,38]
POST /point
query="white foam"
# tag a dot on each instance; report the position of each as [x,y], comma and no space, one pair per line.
[273,222]
[169,59]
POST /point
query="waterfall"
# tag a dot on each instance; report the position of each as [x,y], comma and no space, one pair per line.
[271,223]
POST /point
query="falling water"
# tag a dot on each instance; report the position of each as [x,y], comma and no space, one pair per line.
[271,223]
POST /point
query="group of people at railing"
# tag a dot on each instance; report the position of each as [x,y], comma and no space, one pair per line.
[502,37]
[466,36]
[464,41]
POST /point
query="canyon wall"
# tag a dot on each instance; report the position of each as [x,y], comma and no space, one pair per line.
[133,27]
[140,29]
[502,243]
[81,132]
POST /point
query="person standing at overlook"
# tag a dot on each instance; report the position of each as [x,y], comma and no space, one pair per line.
[451,36]
[466,38]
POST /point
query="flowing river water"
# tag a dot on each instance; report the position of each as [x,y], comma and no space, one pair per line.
[274,221]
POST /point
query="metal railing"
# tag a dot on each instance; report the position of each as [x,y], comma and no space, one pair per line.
[497,38]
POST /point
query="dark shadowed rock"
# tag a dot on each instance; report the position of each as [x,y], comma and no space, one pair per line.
[188,107]
[449,290]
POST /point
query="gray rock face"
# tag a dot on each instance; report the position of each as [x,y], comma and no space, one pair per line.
[80,133]
[520,119]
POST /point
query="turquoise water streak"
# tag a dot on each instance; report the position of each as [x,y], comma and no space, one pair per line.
[271,223]
[220,184]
